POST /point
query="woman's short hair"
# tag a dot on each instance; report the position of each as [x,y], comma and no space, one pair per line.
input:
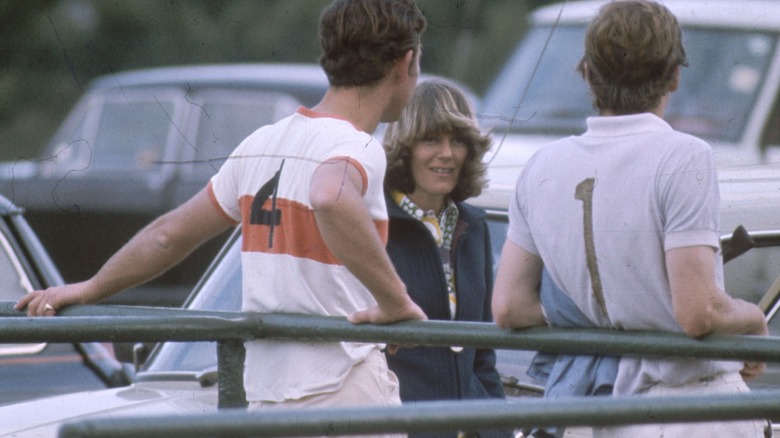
[436,107]
[361,39]
[632,51]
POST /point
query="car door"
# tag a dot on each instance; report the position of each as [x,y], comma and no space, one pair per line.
[34,370]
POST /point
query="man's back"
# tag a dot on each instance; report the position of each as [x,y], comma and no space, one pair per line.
[618,188]
[626,191]
[288,268]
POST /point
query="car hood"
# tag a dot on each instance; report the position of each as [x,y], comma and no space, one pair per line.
[505,160]
[44,417]
[512,150]
[744,187]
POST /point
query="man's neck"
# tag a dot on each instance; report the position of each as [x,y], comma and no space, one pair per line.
[362,106]
[659,110]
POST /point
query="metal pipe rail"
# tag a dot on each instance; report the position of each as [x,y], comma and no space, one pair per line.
[230,329]
[95,323]
[443,416]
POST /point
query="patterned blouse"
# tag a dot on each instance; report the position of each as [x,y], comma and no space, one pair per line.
[442,228]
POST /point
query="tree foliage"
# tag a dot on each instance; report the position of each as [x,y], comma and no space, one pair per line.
[52,48]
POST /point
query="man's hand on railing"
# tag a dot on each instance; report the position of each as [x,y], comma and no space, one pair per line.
[48,302]
[378,315]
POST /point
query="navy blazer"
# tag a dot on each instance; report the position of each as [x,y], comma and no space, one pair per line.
[438,373]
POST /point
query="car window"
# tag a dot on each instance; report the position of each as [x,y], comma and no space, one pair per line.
[16,284]
[754,271]
[540,90]
[226,117]
[132,132]
[220,291]
[724,66]
[113,130]
[15,281]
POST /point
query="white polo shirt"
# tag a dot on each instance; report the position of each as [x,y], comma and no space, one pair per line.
[608,204]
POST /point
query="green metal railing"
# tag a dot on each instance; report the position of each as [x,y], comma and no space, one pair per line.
[428,417]
[231,329]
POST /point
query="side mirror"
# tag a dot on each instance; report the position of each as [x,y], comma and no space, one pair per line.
[140,354]
[132,353]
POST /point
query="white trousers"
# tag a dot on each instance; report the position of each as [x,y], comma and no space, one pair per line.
[369,383]
[729,383]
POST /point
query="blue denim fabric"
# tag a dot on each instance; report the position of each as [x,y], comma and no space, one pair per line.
[567,375]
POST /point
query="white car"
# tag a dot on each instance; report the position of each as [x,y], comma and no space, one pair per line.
[728,94]
[180,377]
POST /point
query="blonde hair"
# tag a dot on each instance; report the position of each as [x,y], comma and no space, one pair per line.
[632,51]
[436,107]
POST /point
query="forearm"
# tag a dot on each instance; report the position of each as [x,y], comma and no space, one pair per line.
[737,317]
[516,301]
[149,254]
[700,306]
[336,195]
[154,250]
[351,236]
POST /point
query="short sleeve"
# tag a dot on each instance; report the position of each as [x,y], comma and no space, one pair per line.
[691,200]
[224,187]
[519,232]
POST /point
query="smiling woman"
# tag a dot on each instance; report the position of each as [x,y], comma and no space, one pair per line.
[440,245]
[436,163]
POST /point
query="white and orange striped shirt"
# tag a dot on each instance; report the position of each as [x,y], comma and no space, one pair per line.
[264,185]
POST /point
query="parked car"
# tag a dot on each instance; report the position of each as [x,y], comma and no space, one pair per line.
[729,94]
[30,371]
[140,143]
[179,377]
[136,145]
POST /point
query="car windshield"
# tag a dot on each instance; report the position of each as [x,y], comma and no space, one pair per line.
[221,290]
[540,91]
[115,130]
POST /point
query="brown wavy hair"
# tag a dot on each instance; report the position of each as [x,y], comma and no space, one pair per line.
[632,51]
[436,107]
[361,39]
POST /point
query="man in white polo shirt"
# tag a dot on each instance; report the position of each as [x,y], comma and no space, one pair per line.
[625,219]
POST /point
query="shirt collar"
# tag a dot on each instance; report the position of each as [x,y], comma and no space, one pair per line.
[616,126]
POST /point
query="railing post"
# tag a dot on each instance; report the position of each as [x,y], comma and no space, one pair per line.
[230,357]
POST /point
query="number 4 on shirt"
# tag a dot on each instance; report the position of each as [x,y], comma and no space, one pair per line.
[260,216]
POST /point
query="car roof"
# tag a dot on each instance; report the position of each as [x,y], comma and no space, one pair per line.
[310,75]
[305,81]
[749,14]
